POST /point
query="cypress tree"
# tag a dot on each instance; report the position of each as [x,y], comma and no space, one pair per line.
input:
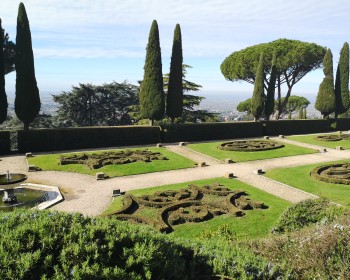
[325,101]
[342,82]
[27,101]
[3,97]
[258,94]
[175,90]
[270,95]
[151,92]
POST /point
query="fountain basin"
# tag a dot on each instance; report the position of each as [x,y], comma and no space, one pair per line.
[12,178]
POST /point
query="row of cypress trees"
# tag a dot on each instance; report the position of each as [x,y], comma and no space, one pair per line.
[333,97]
[27,100]
[152,97]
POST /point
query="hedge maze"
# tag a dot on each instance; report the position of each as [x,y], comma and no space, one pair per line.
[250,145]
[98,160]
[165,209]
[335,173]
[333,137]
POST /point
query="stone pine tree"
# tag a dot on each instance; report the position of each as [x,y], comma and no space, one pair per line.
[152,103]
[3,97]
[174,99]
[270,95]
[258,99]
[342,82]
[325,101]
[27,101]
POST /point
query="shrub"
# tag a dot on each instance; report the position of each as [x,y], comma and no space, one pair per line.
[306,213]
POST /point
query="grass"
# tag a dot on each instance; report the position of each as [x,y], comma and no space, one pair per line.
[311,139]
[211,149]
[299,177]
[175,161]
[256,223]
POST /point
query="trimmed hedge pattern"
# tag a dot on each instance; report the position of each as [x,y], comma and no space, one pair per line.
[5,142]
[335,173]
[192,204]
[95,161]
[329,138]
[39,140]
[250,145]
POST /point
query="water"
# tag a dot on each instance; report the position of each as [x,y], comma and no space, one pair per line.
[26,198]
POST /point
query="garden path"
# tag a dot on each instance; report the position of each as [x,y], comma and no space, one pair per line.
[90,197]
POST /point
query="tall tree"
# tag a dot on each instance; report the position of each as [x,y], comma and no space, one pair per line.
[258,98]
[295,60]
[342,82]
[3,97]
[174,97]
[91,105]
[9,49]
[270,95]
[27,101]
[325,101]
[151,92]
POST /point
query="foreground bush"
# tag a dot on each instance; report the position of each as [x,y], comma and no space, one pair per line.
[307,212]
[319,252]
[46,245]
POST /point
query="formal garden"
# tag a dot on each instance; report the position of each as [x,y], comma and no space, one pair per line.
[178,226]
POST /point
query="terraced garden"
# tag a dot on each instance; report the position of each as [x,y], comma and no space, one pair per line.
[249,150]
[193,208]
[113,163]
[314,179]
[324,140]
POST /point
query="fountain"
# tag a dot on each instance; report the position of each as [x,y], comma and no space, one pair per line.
[8,181]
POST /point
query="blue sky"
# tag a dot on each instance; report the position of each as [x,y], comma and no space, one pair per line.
[103,41]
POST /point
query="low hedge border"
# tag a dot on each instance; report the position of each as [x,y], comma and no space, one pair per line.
[315,173]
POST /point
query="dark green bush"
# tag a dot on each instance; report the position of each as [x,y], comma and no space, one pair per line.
[52,245]
[5,143]
[210,131]
[289,127]
[307,212]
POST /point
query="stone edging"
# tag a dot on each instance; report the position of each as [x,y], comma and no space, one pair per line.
[55,195]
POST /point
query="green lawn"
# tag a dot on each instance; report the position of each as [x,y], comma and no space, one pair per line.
[256,223]
[299,177]
[311,139]
[211,149]
[175,161]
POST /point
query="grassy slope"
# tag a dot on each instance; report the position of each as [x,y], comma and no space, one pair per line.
[175,161]
[299,177]
[311,139]
[212,150]
[256,223]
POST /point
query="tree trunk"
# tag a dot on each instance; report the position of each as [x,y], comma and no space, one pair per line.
[151,122]
[26,126]
[172,120]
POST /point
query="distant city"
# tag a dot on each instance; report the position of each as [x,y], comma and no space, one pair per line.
[224,104]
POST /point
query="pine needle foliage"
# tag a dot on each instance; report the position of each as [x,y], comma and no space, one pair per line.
[151,92]
[27,101]
[175,89]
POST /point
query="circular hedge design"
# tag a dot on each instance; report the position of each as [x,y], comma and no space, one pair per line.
[329,138]
[95,161]
[190,205]
[250,145]
[335,173]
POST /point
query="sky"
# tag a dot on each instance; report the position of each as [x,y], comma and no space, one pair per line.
[85,41]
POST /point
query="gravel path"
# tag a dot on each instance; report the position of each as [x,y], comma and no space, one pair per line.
[90,197]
